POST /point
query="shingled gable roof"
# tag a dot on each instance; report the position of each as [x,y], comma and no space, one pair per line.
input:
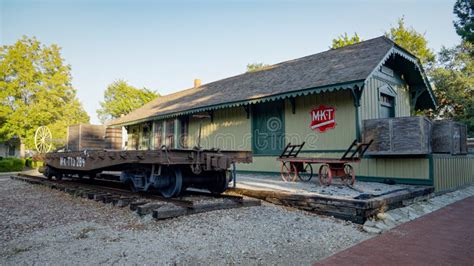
[342,68]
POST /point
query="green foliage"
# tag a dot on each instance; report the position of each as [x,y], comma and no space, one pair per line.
[35,90]
[464,10]
[31,163]
[256,67]
[345,40]
[453,81]
[11,164]
[121,98]
[412,41]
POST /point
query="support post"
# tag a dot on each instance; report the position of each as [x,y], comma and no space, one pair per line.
[247,110]
[234,175]
[414,97]
[357,93]
[293,105]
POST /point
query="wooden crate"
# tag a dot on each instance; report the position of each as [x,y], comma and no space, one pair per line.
[85,137]
[113,138]
[398,135]
[449,137]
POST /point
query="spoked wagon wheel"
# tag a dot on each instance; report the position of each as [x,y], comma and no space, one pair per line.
[288,172]
[325,175]
[43,139]
[307,173]
[349,175]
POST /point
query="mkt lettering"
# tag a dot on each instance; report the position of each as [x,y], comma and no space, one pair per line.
[323,118]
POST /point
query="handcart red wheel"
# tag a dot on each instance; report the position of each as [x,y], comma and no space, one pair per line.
[325,175]
[306,173]
[349,175]
[288,172]
[301,167]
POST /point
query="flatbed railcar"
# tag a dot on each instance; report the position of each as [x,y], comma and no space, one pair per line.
[168,171]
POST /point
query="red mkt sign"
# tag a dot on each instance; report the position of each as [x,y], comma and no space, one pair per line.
[323,118]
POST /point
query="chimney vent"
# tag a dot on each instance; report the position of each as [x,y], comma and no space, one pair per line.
[197,83]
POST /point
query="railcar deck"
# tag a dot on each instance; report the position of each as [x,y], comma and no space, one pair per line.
[170,171]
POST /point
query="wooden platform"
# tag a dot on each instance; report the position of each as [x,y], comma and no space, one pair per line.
[348,207]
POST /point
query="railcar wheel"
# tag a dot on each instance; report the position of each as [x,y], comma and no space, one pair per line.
[288,172]
[176,183]
[220,184]
[58,175]
[325,175]
[92,175]
[349,175]
[307,173]
[132,186]
[48,172]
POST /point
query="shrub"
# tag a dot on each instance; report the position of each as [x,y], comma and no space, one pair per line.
[37,164]
[11,164]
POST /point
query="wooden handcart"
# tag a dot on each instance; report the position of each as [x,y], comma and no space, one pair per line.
[293,167]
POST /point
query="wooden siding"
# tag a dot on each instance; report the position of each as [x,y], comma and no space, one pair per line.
[297,126]
[450,172]
[370,105]
[400,169]
[397,168]
[271,165]
[230,129]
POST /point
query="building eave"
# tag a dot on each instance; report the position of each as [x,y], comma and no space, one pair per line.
[269,98]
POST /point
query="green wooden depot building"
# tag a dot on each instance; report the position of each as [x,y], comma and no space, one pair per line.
[264,110]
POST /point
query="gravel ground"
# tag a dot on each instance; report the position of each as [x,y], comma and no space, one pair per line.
[272,181]
[43,226]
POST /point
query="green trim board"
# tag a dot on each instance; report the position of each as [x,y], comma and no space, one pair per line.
[408,181]
[281,96]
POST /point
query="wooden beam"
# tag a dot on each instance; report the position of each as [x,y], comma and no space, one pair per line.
[247,110]
[293,105]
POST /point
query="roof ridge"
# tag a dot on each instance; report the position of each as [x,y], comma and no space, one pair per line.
[320,69]
[286,61]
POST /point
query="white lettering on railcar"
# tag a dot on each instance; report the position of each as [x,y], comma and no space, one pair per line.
[72,161]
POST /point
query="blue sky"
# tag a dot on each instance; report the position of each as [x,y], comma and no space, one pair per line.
[164,45]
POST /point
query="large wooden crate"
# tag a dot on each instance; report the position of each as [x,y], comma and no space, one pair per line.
[113,138]
[449,137]
[85,137]
[398,135]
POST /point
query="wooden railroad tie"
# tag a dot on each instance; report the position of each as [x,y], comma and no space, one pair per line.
[160,209]
[170,211]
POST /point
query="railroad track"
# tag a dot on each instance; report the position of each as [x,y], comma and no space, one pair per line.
[117,194]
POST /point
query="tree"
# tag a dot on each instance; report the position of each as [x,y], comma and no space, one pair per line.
[344,40]
[121,98]
[36,90]
[453,79]
[412,41]
[256,67]
[464,10]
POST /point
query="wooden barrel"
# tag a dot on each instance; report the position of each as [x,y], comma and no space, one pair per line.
[113,138]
